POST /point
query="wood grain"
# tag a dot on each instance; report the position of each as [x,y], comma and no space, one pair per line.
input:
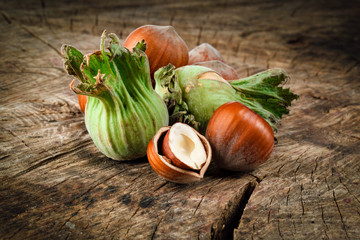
[55,184]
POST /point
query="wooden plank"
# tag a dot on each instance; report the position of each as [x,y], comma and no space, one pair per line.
[55,184]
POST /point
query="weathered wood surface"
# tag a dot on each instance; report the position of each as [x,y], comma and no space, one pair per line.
[56,185]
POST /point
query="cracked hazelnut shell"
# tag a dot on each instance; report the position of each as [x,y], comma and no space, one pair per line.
[164,167]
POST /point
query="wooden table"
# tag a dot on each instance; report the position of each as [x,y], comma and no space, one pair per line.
[56,185]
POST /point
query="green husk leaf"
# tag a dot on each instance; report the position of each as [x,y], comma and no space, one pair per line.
[264,88]
[123,112]
[190,98]
[73,59]
[141,46]
[167,86]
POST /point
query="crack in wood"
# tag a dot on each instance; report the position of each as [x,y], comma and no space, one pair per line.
[311,176]
[352,67]
[301,199]
[138,176]
[135,212]
[68,219]
[294,225]
[258,179]
[268,216]
[270,210]
[302,154]
[198,41]
[161,186]
[231,218]
[347,189]
[327,184]
[4,157]
[278,172]
[326,234]
[71,24]
[323,218]
[202,198]
[158,223]
[6,17]
[134,179]
[17,137]
[297,8]
[271,200]
[287,197]
[14,234]
[50,159]
[131,225]
[171,21]
[96,23]
[341,216]
[49,188]
[297,169]
[279,231]
[41,40]
[101,181]
[23,72]
[67,236]
[108,224]
[253,231]
[315,168]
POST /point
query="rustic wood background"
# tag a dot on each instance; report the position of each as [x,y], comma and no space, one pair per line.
[56,185]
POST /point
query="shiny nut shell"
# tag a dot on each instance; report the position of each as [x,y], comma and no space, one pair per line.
[163,166]
[240,139]
[164,46]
